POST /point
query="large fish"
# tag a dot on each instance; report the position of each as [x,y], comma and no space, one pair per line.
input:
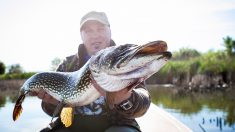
[113,68]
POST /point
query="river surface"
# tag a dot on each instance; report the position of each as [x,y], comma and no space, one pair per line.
[202,112]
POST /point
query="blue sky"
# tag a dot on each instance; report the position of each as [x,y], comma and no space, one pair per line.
[34,32]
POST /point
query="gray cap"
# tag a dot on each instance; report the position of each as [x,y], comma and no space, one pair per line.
[97,16]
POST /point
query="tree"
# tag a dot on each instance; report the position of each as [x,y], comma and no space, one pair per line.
[233,50]
[2,68]
[55,63]
[229,44]
[185,53]
[15,69]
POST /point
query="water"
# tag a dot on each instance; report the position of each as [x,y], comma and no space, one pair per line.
[210,112]
[202,112]
[31,119]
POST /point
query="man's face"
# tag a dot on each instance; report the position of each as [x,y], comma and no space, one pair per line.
[95,36]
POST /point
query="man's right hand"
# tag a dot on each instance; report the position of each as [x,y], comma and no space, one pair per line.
[44,97]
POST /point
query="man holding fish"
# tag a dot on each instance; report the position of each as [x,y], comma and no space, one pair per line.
[115,115]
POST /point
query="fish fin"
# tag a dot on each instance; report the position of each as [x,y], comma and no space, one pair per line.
[18,107]
[66,116]
[57,110]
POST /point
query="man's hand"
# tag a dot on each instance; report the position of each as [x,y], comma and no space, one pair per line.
[118,96]
[44,97]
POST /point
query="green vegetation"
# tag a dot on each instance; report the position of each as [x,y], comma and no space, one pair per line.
[229,44]
[2,68]
[16,72]
[210,62]
[16,75]
[2,101]
[190,62]
[185,54]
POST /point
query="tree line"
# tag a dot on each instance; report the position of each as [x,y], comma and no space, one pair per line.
[15,71]
[186,63]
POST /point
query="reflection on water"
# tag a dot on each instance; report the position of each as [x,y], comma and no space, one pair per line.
[202,112]
[213,111]
[31,119]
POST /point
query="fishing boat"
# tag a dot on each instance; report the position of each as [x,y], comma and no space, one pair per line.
[158,120]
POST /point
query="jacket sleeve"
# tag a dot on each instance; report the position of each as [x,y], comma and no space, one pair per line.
[140,100]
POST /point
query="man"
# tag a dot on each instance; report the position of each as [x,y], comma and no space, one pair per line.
[98,116]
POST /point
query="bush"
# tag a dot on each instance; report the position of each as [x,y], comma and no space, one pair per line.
[185,54]
[2,68]
[213,62]
[208,63]
[17,76]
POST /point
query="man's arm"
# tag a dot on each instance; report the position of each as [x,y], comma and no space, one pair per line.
[136,105]
[129,103]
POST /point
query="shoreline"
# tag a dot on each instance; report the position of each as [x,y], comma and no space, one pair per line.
[15,84]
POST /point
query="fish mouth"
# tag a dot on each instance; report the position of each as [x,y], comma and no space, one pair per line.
[155,47]
[152,47]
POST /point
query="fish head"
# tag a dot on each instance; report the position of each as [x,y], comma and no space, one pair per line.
[130,60]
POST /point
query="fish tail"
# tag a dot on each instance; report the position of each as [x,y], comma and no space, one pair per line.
[18,107]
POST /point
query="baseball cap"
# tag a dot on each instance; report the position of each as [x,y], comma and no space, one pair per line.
[97,16]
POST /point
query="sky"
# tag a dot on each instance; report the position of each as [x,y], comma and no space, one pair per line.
[34,32]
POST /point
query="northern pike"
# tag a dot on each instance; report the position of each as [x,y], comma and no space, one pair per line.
[113,68]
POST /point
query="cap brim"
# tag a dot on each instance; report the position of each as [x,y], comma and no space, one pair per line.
[94,19]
